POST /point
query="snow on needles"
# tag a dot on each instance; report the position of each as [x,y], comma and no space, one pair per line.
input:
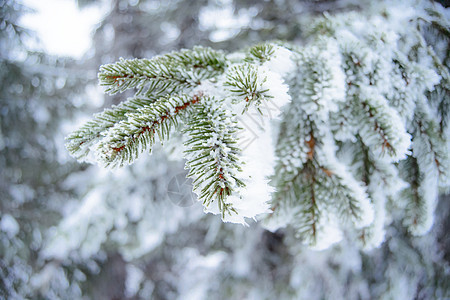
[258,132]
[256,139]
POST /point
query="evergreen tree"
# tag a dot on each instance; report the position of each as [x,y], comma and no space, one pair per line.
[131,241]
[35,92]
[358,98]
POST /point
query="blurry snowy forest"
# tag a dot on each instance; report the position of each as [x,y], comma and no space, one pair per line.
[77,231]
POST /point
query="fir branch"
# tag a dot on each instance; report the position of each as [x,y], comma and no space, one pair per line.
[319,82]
[245,83]
[417,210]
[137,73]
[316,189]
[213,155]
[379,126]
[346,195]
[260,53]
[80,141]
[442,95]
[404,96]
[307,215]
[170,72]
[319,181]
[127,139]
[292,149]
[441,92]
[430,148]
[201,58]
[295,202]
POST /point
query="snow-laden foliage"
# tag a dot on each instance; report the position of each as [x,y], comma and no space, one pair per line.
[205,110]
[126,235]
[352,122]
[213,156]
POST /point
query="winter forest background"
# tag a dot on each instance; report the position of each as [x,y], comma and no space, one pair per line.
[72,230]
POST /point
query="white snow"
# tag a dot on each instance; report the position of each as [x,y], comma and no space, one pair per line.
[281,61]
[9,225]
[273,81]
[329,232]
[133,281]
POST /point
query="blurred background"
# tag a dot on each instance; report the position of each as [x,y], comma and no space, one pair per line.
[76,231]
